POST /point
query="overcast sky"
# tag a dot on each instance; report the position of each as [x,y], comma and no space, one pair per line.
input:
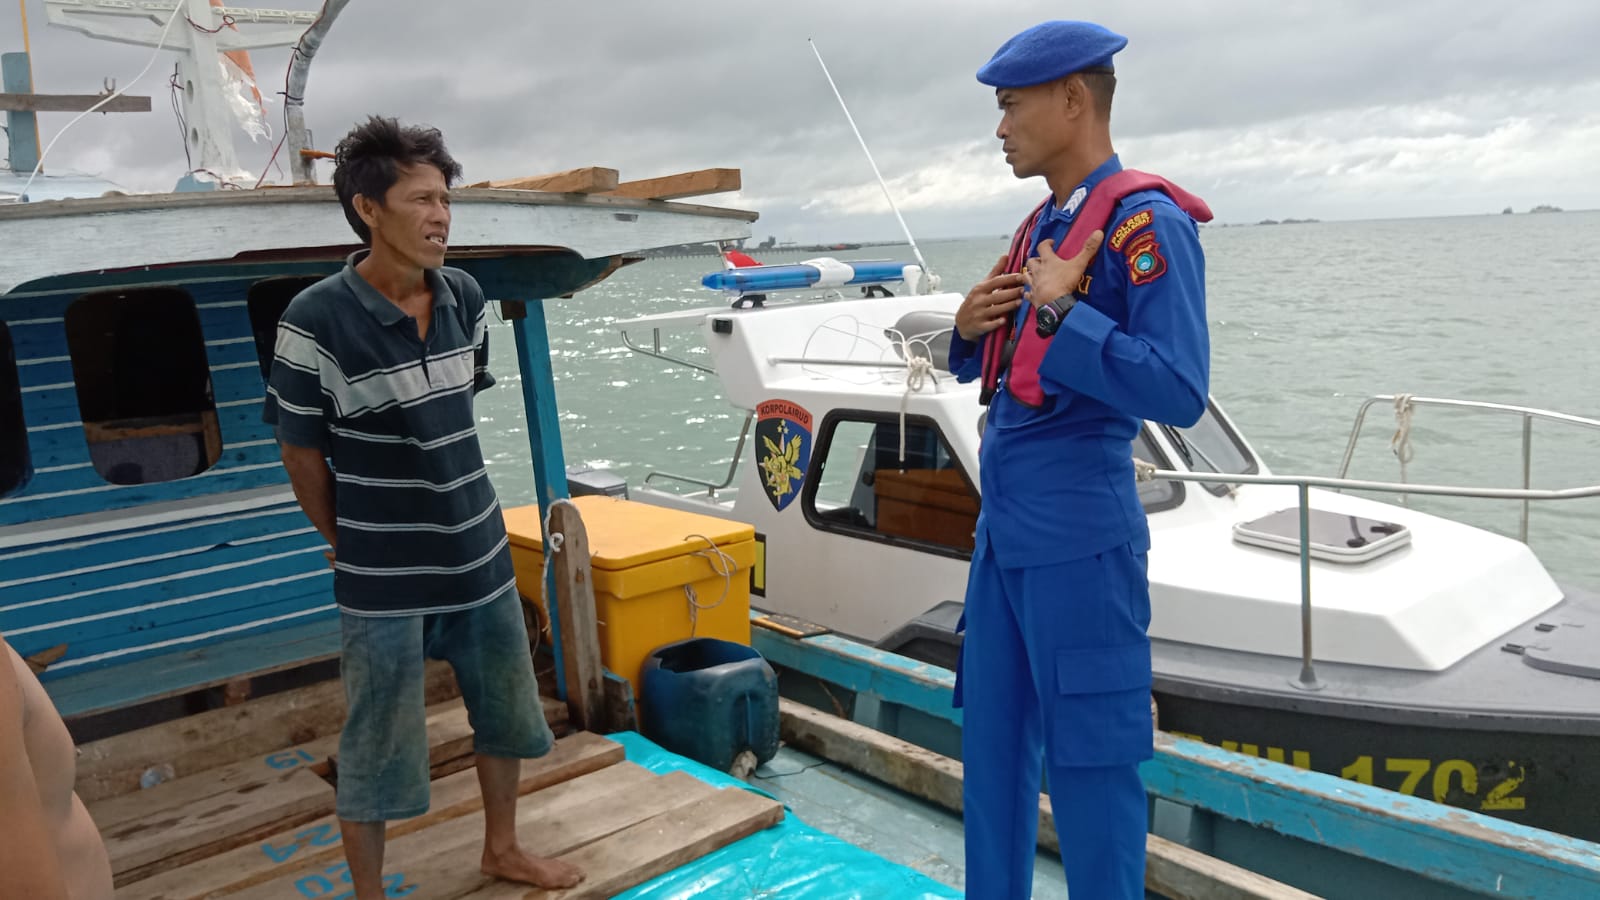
[1267,108]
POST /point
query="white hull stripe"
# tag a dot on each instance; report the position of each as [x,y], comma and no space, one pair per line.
[176,601]
[165,579]
[117,564]
[232,629]
[143,532]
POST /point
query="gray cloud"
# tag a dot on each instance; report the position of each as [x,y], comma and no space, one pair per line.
[1290,109]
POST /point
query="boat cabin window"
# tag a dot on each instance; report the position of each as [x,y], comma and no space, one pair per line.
[1211,445]
[15,465]
[268,299]
[1155,496]
[858,485]
[144,385]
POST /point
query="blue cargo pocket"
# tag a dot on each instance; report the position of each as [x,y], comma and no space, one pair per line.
[961,658]
[1101,711]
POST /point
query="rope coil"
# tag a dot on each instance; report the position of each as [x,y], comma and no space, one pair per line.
[722,564]
[917,351]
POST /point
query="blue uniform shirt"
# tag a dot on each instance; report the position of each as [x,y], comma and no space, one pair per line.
[1058,481]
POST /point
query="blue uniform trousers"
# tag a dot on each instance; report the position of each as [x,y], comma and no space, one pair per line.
[1056,669]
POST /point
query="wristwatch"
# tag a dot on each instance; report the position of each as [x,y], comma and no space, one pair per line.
[1047,318]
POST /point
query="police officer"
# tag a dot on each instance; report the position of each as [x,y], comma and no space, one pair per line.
[1077,347]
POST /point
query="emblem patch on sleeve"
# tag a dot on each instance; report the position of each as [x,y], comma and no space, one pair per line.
[1145,262]
[1126,229]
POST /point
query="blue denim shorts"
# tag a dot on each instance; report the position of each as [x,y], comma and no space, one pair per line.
[383,752]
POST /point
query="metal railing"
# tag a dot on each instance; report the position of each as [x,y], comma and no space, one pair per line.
[654,350]
[1403,403]
[733,467]
[1307,679]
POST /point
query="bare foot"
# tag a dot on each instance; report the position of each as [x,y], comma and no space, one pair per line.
[517,865]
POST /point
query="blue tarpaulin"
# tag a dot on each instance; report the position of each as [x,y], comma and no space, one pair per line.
[791,860]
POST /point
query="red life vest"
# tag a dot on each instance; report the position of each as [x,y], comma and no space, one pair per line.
[1018,357]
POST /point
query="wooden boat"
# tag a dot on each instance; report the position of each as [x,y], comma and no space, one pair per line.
[154,565]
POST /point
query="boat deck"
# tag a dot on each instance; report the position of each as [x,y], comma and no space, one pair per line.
[642,822]
[905,830]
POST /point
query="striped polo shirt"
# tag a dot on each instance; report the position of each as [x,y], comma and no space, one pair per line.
[419,526]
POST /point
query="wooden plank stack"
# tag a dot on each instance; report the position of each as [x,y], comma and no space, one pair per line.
[263,827]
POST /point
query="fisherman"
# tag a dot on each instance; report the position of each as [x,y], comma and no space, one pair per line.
[49,847]
[375,370]
[1092,323]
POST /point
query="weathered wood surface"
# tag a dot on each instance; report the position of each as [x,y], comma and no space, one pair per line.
[576,612]
[182,793]
[588,180]
[1171,870]
[664,842]
[38,103]
[315,846]
[167,838]
[218,737]
[684,184]
[550,823]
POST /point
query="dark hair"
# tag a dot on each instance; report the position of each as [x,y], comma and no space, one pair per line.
[1101,84]
[367,162]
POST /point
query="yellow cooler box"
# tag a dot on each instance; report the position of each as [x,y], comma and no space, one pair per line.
[644,557]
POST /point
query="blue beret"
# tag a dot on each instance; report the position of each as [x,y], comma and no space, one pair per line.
[1050,51]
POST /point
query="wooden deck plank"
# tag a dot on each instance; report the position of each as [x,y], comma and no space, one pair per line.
[182,793]
[256,728]
[153,844]
[315,846]
[660,844]
[589,813]
[683,184]
[442,860]
[210,812]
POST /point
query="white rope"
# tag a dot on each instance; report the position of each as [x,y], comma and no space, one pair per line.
[920,371]
[1400,443]
[162,42]
[553,541]
[723,565]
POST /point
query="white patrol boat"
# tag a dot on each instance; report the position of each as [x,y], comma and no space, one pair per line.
[1290,620]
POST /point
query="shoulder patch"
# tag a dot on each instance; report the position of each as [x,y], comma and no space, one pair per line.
[1126,229]
[1145,262]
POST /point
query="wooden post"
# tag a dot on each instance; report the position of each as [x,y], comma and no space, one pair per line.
[22,128]
[580,631]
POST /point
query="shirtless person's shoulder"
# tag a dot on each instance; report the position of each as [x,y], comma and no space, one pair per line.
[50,849]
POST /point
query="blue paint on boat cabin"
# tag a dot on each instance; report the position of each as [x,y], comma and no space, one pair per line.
[160,587]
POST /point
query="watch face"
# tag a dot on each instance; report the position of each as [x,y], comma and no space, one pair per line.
[1048,321]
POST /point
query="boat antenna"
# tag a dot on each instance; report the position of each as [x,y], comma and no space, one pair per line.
[881,183]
